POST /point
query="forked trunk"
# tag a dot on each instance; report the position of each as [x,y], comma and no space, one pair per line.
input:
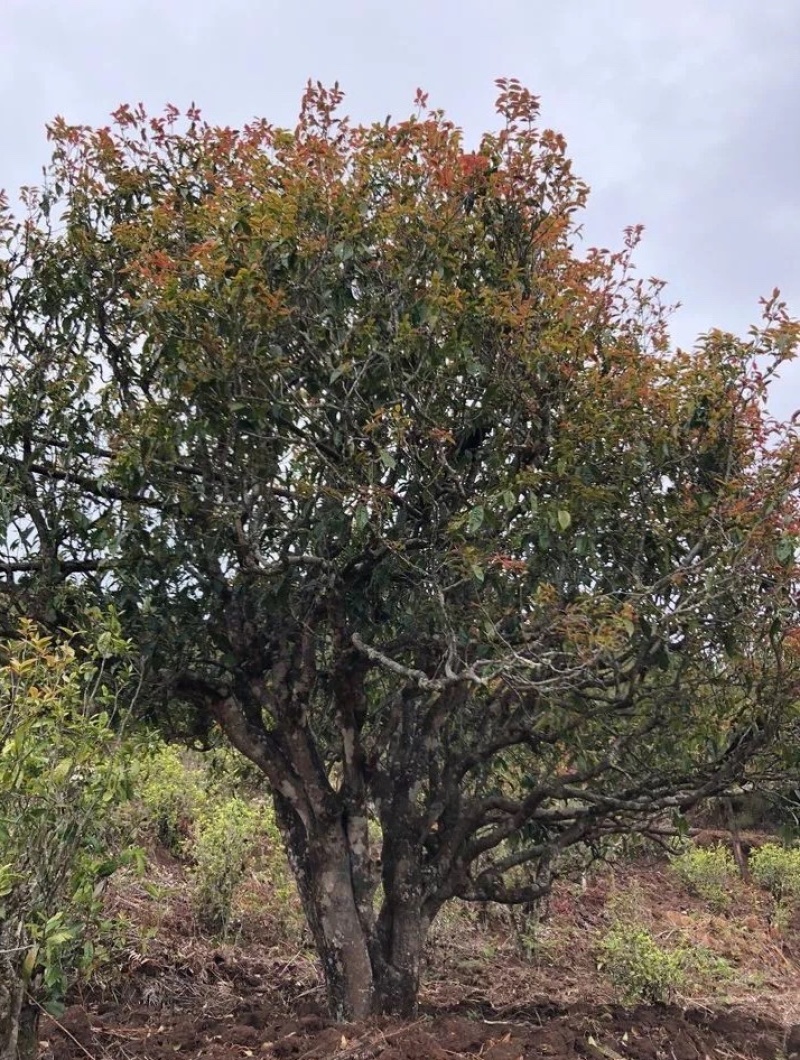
[321,866]
[369,967]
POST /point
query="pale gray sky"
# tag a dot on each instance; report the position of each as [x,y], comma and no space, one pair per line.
[681,115]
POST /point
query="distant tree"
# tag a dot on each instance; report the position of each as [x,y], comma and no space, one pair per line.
[399,490]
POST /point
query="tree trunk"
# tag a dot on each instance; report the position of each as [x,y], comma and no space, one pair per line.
[397,959]
[405,916]
[18,1022]
[321,866]
[736,840]
[369,967]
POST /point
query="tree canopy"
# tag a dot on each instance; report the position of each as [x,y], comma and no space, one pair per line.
[400,490]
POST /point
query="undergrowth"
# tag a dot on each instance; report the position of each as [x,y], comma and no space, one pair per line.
[708,872]
[777,869]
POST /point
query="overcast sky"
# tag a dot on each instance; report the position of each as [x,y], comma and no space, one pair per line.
[680,114]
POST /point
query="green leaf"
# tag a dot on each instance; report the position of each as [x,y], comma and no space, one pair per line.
[58,938]
[785,549]
[29,963]
[361,517]
[564,518]
[62,770]
[476,517]
[387,459]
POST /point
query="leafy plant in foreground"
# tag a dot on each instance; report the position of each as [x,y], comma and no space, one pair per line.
[63,767]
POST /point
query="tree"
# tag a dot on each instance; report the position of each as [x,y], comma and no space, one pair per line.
[394,487]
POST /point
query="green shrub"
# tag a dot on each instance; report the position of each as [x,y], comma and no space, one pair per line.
[173,796]
[63,767]
[210,810]
[226,772]
[224,844]
[706,965]
[777,869]
[708,872]
[640,969]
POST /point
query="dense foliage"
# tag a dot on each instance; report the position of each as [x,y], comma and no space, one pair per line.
[410,498]
[62,770]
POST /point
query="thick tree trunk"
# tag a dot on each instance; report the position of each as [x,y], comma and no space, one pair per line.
[369,966]
[397,951]
[321,865]
[406,914]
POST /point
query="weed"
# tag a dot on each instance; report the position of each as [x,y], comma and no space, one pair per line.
[223,847]
[638,967]
[708,872]
[777,870]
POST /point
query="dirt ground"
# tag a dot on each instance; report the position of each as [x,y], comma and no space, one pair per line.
[257,1029]
[495,987]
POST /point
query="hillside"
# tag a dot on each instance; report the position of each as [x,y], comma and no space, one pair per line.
[499,986]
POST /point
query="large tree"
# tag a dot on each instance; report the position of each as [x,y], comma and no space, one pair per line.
[401,492]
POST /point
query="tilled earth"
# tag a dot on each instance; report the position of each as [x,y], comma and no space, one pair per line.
[493,989]
[254,1029]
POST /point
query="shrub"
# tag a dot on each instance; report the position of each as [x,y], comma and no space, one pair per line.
[209,809]
[224,843]
[777,869]
[708,872]
[63,767]
[638,967]
[172,795]
[707,966]
[226,772]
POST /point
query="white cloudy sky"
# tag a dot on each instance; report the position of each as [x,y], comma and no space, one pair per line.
[681,115]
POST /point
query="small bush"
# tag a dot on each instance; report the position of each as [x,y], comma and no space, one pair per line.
[63,769]
[707,872]
[706,965]
[172,795]
[640,969]
[227,773]
[224,843]
[777,869]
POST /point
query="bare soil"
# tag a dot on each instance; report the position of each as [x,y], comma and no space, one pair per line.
[258,1028]
[496,987]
